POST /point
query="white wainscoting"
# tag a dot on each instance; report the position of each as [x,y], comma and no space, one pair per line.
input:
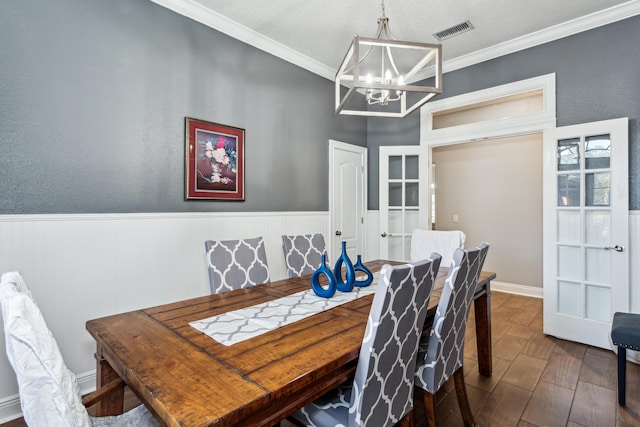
[634,261]
[634,271]
[82,267]
[373,235]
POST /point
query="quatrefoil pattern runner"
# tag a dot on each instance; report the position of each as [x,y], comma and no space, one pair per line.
[441,352]
[236,264]
[303,253]
[382,390]
[236,326]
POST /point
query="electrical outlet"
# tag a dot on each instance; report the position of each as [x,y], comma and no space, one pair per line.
[455,217]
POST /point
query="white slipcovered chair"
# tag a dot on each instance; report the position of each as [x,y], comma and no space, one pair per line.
[49,392]
[424,242]
[381,393]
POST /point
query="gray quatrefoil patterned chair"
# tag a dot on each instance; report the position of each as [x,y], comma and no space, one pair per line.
[49,391]
[381,394]
[303,253]
[441,352]
[236,264]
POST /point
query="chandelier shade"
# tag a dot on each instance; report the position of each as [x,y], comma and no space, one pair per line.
[386,77]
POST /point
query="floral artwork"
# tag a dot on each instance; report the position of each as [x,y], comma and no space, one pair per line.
[214,161]
[216,158]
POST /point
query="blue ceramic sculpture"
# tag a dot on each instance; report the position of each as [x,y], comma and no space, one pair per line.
[315,280]
[346,284]
[360,267]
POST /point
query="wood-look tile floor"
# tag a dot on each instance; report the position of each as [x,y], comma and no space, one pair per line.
[537,380]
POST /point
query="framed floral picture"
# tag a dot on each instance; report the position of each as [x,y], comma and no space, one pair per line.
[214,161]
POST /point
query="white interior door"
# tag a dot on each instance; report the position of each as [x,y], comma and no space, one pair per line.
[348,198]
[403,199]
[586,261]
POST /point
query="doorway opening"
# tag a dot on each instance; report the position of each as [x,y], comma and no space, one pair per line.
[492,191]
[477,142]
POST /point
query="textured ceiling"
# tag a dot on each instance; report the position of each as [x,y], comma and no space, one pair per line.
[318,32]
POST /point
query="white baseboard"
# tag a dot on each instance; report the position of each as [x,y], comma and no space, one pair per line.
[10,406]
[87,382]
[512,288]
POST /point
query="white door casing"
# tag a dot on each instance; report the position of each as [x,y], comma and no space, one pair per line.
[586,233]
[403,199]
[486,130]
[347,199]
[543,121]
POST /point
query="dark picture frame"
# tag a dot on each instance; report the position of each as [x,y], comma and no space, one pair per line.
[214,161]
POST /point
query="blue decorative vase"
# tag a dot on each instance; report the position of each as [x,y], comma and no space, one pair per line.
[315,280]
[360,267]
[346,284]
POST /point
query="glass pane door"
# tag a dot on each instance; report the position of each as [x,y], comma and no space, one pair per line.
[404,189]
[584,227]
[401,200]
[586,262]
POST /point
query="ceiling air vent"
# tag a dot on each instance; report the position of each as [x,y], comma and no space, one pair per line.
[454,31]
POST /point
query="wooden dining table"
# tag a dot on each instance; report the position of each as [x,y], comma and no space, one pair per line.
[186,378]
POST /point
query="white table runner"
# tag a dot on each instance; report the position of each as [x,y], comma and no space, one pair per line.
[239,325]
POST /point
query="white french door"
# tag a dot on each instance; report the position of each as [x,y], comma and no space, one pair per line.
[403,199]
[586,261]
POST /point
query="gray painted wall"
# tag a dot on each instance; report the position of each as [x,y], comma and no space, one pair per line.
[597,78]
[93,96]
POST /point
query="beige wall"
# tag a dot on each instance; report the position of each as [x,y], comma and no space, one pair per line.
[495,189]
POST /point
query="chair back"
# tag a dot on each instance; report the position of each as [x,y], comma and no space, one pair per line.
[49,392]
[303,253]
[441,352]
[236,264]
[424,242]
[383,385]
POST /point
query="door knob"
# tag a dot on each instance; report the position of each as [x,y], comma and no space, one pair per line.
[384,234]
[338,233]
[617,248]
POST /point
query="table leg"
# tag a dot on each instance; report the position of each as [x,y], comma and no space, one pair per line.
[482,308]
[112,404]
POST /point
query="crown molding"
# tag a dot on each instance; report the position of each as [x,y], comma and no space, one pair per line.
[210,18]
[197,12]
[565,29]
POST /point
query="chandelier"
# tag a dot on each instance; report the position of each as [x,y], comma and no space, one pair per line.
[391,75]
